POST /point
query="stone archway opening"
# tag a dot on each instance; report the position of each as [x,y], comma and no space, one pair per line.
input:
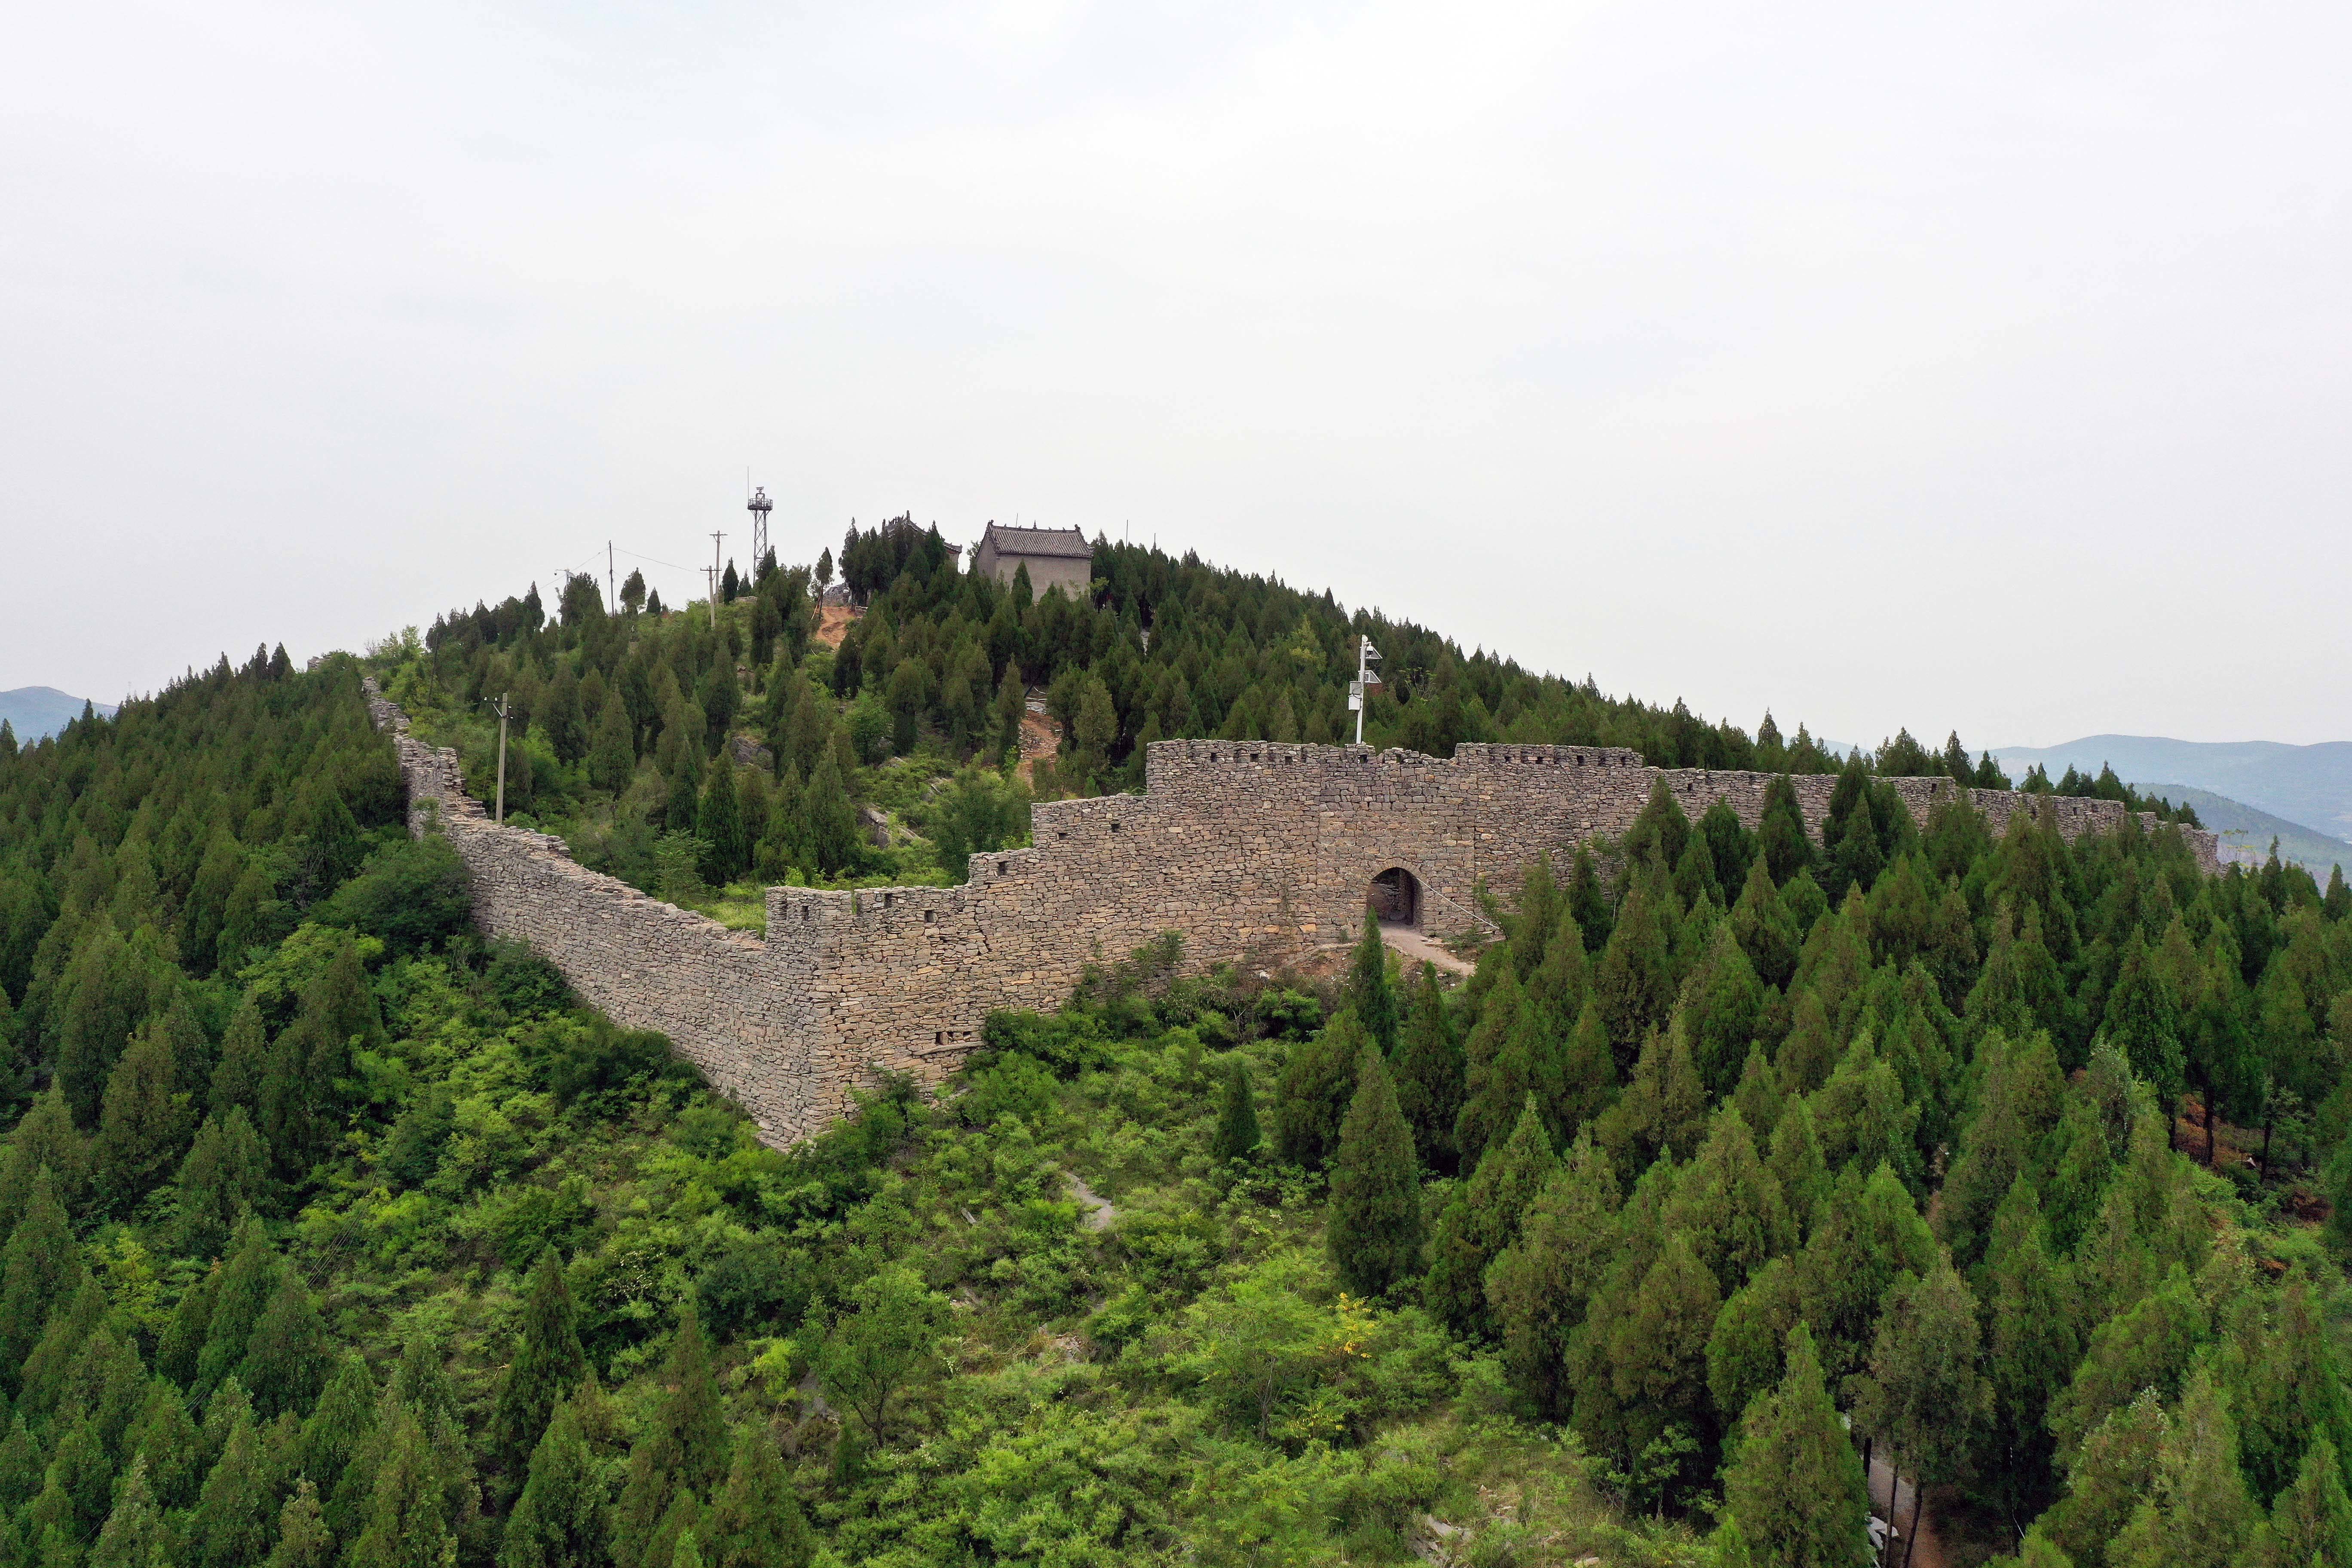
[1395,897]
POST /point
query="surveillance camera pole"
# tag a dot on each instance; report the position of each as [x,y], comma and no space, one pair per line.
[1367,655]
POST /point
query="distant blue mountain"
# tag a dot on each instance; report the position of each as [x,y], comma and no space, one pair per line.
[2307,784]
[35,711]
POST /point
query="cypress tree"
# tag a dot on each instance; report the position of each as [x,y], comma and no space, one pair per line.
[1795,1485]
[1537,1287]
[21,1467]
[1311,1098]
[681,1455]
[561,1520]
[1636,980]
[756,1521]
[224,1182]
[1723,1003]
[75,1318]
[1429,1071]
[178,1353]
[1866,1232]
[1368,991]
[2033,1348]
[1585,902]
[1758,1096]
[407,1513]
[1483,1219]
[1729,1206]
[1373,1228]
[245,1284]
[1750,1336]
[285,1358]
[2199,1515]
[302,1537]
[46,1138]
[77,1492]
[613,757]
[548,1365]
[142,1129]
[1236,1137]
[1658,1351]
[1785,848]
[232,1527]
[1923,1392]
[133,1533]
[37,1267]
[244,1060]
[2143,1021]
[168,1443]
[2292,1392]
[344,1417]
[1663,1109]
[719,824]
[2311,1520]
[1494,1082]
[1797,1164]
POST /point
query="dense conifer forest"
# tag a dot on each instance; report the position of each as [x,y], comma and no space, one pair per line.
[338,1237]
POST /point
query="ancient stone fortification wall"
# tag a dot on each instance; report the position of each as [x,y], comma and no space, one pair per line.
[1251,850]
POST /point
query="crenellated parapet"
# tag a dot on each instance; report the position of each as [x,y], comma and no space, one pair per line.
[1251,851]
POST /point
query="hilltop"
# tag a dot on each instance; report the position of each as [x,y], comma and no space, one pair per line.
[338,1237]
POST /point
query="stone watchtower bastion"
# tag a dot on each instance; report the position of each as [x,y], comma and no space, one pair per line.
[1246,849]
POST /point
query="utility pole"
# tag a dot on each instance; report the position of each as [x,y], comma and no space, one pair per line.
[715,538]
[504,707]
[1367,655]
[611,582]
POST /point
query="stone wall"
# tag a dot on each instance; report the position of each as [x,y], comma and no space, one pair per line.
[1252,850]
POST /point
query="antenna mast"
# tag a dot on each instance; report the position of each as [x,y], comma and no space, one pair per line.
[715,537]
[1367,655]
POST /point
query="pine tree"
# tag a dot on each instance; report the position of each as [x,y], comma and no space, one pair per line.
[302,1537]
[1723,1003]
[1635,979]
[756,1521]
[561,1520]
[548,1365]
[1537,1287]
[21,1467]
[1664,1109]
[1795,1485]
[224,1181]
[1373,1227]
[285,1361]
[2200,1514]
[76,1317]
[1483,1219]
[1765,930]
[1865,1235]
[2033,1348]
[142,1129]
[1495,1080]
[1236,1137]
[1758,1097]
[233,1527]
[2291,1393]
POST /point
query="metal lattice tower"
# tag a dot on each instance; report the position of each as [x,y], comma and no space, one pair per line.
[758,507]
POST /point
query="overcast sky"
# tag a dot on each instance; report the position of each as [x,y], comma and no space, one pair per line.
[1980,366]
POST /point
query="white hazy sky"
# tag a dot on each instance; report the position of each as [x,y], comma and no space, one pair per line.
[1980,366]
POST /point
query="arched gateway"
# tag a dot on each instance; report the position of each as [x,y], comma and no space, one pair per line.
[1251,851]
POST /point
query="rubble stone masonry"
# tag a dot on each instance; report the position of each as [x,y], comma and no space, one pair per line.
[1252,850]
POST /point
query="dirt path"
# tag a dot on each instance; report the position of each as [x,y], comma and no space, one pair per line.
[1097,1212]
[833,624]
[1414,947]
[1929,1553]
[1040,738]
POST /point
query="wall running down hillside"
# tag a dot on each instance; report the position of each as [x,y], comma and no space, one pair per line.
[1251,850]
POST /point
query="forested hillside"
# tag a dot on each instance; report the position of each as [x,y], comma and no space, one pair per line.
[338,1239]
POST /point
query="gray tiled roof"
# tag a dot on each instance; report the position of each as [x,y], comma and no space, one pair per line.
[1039,541]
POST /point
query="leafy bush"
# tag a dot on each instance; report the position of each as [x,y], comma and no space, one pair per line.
[411,893]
